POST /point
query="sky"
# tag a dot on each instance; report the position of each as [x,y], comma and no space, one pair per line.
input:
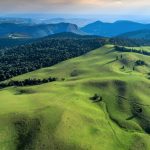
[133,8]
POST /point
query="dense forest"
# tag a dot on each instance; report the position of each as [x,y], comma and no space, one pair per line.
[43,53]
[8,42]
[129,42]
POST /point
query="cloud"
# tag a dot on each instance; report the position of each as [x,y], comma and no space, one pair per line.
[76,6]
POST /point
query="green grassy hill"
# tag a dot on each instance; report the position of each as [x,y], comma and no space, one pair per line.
[61,116]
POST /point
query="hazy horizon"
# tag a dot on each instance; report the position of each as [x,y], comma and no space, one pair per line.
[96,17]
[105,10]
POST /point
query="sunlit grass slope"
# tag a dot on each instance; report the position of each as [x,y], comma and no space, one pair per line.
[61,116]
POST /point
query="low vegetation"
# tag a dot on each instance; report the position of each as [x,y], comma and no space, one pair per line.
[96,98]
[140,63]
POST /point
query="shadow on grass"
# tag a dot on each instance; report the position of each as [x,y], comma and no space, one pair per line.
[131,117]
[27,130]
[110,62]
[24,91]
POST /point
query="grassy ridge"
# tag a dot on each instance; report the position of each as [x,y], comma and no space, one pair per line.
[61,116]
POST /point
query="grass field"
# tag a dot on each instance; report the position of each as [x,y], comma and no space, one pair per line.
[61,116]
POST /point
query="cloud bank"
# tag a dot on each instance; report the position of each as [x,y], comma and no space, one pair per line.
[77,6]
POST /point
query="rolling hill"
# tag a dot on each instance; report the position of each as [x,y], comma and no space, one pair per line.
[36,31]
[113,29]
[63,115]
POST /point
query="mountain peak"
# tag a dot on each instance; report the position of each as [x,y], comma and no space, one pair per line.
[98,22]
[125,21]
[113,29]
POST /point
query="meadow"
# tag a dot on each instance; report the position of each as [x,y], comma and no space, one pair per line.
[61,116]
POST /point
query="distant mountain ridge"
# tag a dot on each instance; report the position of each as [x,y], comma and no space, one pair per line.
[98,28]
[113,29]
[78,21]
[45,20]
[139,34]
[16,20]
[37,31]
[70,35]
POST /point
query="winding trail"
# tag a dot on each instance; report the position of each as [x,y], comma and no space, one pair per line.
[105,110]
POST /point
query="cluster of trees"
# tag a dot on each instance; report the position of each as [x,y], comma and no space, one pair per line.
[46,52]
[27,82]
[96,98]
[148,75]
[140,63]
[124,49]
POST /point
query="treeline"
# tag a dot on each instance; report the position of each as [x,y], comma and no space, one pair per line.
[129,42]
[44,53]
[124,49]
[27,82]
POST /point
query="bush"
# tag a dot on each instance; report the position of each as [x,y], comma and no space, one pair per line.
[96,98]
[140,63]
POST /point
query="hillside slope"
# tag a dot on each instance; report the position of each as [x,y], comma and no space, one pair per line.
[61,116]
